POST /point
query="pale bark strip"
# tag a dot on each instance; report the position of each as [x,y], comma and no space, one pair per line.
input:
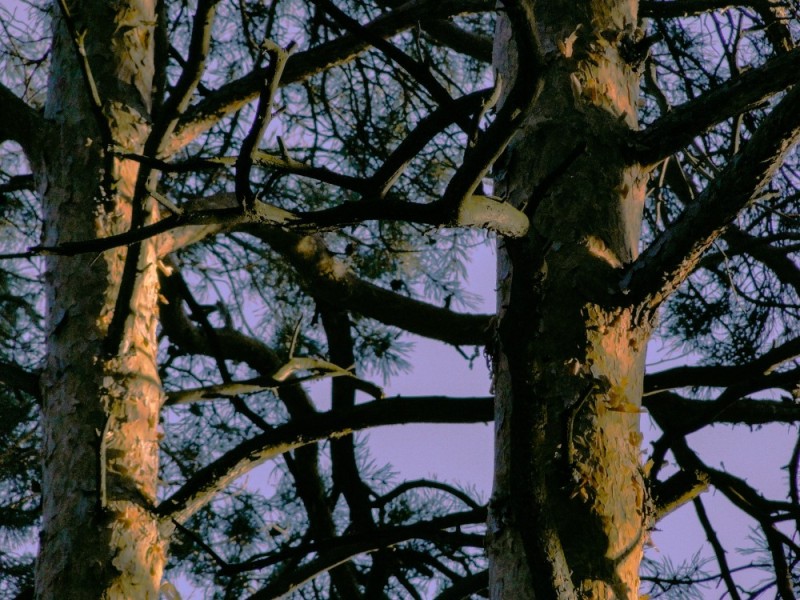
[100,461]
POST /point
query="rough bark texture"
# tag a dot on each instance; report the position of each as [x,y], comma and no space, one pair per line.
[568,509]
[99,536]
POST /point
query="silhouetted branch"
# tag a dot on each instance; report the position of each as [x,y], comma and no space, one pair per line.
[302,65]
[326,278]
[673,9]
[415,484]
[18,378]
[466,586]
[722,375]
[674,254]
[675,129]
[207,481]
[719,551]
[339,550]
[21,124]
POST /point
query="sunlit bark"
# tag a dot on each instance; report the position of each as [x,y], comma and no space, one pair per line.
[100,403]
[568,510]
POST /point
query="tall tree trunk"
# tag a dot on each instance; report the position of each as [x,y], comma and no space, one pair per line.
[101,391]
[567,514]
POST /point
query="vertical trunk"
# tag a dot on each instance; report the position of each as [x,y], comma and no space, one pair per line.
[99,536]
[567,514]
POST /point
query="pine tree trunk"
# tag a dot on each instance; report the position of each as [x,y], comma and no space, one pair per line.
[101,399]
[568,509]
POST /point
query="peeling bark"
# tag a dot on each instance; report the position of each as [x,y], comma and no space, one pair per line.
[568,515]
[100,412]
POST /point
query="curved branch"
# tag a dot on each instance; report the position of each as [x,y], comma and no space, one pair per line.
[206,482]
[722,375]
[340,550]
[326,278]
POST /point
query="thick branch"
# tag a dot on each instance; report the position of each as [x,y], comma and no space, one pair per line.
[209,480]
[721,375]
[677,128]
[14,376]
[21,124]
[660,9]
[326,278]
[446,33]
[673,256]
[670,495]
[675,413]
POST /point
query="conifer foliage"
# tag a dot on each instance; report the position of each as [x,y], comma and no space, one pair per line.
[206,206]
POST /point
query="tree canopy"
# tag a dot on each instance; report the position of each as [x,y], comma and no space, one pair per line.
[302,185]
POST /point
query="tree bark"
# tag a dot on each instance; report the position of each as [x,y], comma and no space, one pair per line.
[567,517]
[101,396]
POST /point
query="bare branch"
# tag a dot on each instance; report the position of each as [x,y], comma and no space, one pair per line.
[209,480]
[673,9]
[719,551]
[721,375]
[272,77]
[446,33]
[21,124]
[302,65]
[676,491]
[326,278]
[675,129]
[675,413]
[337,551]
[674,255]
[18,378]
[466,587]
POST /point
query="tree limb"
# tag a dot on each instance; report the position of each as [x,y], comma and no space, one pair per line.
[207,481]
[674,254]
[721,375]
[675,129]
[14,376]
[660,9]
[326,278]
[21,124]
[347,548]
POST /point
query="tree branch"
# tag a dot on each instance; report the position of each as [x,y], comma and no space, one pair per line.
[722,375]
[21,124]
[344,549]
[670,495]
[674,254]
[302,65]
[719,551]
[14,376]
[675,129]
[674,9]
[326,278]
[676,414]
[208,481]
